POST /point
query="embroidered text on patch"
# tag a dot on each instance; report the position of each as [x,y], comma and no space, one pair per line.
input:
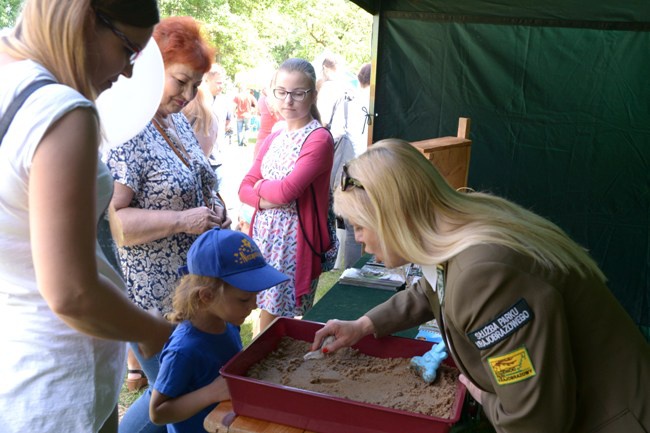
[505,324]
[512,367]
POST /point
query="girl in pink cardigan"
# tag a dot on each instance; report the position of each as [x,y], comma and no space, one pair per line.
[288,185]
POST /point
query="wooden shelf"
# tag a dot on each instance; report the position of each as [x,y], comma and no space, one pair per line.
[450,155]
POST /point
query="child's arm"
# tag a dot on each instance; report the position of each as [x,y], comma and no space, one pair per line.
[166,410]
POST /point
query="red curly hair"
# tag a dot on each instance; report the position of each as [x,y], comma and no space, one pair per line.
[181,40]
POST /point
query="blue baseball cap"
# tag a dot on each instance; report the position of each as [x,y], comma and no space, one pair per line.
[233,257]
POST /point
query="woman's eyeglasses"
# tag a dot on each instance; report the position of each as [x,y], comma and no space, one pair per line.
[348,181]
[134,50]
[296,95]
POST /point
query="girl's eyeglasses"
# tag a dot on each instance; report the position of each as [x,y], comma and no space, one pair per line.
[348,181]
[296,95]
[133,50]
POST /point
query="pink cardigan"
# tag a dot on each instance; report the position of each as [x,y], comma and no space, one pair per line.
[313,167]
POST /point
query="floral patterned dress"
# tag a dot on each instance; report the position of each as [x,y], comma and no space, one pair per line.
[160,181]
[276,230]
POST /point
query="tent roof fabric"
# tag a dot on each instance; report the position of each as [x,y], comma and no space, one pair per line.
[628,11]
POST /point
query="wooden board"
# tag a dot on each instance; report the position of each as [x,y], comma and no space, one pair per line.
[450,155]
[224,420]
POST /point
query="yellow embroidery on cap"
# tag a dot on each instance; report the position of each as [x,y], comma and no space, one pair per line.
[512,367]
[246,252]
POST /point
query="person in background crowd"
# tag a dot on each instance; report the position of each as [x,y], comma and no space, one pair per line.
[204,122]
[205,125]
[541,342]
[331,96]
[211,302]
[222,109]
[244,218]
[245,106]
[361,125]
[288,185]
[164,190]
[63,311]
[337,103]
[269,116]
[221,104]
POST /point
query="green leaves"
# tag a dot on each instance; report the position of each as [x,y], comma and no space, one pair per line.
[250,34]
[253,33]
[9,10]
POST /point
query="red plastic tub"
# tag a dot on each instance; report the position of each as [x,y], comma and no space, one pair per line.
[320,412]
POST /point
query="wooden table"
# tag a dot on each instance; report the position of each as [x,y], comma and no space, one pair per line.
[223,420]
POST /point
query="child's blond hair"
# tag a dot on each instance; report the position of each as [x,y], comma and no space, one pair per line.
[187,301]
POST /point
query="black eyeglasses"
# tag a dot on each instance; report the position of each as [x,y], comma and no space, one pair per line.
[134,50]
[347,181]
[296,95]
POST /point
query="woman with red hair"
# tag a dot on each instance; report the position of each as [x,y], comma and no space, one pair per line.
[164,191]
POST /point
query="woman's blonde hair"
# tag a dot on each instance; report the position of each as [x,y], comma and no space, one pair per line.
[55,34]
[418,216]
[187,300]
[199,111]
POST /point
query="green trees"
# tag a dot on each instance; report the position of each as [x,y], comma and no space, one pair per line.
[9,10]
[254,33]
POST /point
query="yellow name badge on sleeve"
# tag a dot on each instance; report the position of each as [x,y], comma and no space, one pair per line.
[512,367]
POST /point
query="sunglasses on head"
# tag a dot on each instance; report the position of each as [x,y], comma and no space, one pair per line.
[347,181]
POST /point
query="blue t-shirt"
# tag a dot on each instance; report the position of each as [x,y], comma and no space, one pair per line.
[190,360]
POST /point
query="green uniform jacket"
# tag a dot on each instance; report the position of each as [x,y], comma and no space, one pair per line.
[552,352]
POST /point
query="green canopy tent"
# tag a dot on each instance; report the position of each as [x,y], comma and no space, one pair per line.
[559,96]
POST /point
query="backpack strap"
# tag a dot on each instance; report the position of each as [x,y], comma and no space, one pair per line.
[329,124]
[18,102]
[345,98]
[345,111]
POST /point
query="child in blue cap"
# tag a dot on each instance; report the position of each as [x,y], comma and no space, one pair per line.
[225,271]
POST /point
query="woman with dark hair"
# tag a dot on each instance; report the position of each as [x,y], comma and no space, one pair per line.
[164,189]
[361,144]
[63,311]
[364,75]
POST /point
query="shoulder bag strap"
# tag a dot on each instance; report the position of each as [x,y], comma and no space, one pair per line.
[17,103]
[302,229]
[311,247]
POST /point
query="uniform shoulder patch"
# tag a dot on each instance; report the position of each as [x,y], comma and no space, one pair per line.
[512,367]
[502,326]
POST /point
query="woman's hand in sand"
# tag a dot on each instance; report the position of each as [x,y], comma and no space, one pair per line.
[346,333]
